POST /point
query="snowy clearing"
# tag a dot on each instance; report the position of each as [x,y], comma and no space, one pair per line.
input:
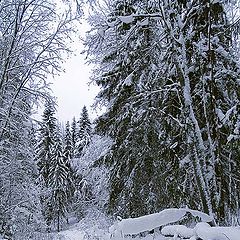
[72,234]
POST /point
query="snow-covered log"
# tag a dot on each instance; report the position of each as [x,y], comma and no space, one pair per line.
[145,223]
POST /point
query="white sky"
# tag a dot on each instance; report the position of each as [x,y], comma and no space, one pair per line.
[71,88]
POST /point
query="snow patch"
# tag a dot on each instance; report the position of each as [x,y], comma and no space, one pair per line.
[178,230]
[71,234]
[101,32]
[128,80]
[185,161]
[112,24]
[144,22]
[174,145]
[126,19]
[220,114]
[222,51]
[203,216]
[205,232]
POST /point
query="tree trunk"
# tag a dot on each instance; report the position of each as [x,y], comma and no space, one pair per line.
[58,222]
[194,131]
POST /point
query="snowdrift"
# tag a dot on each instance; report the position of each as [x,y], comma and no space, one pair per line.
[145,224]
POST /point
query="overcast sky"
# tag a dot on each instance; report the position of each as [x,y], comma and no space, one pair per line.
[71,88]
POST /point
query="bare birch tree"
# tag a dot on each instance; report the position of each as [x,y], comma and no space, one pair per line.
[34,40]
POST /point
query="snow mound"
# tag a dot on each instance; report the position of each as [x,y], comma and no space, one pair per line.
[178,230]
[134,227]
[205,232]
[149,222]
[70,235]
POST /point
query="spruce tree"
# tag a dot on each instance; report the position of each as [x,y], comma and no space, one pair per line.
[68,143]
[201,59]
[74,134]
[58,173]
[46,141]
[54,168]
[171,112]
[84,132]
[44,151]
[129,76]
[68,153]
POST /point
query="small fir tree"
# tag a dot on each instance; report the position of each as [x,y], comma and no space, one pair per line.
[84,132]
[68,155]
[68,143]
[58,173]
[46,141]
[43,158]
[74,133]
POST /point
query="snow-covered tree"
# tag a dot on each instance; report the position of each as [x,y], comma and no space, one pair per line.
[68,153]
[130,80]
[56,174]
[46,142]
[74,133]
[163,68]
[44,155]
[200,60]
[84,132]
[20,209]
[68,144]
[92,189]
[58,179]
[31,48]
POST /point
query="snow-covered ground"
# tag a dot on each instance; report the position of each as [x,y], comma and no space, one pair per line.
[149,227]
[71,234]
[95,226]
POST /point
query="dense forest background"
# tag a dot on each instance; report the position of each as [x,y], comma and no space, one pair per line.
[169,77]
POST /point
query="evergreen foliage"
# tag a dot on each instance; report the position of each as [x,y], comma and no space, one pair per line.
[46,141]
[43,158]
[58,173]
[202,59]
[68,143]
[84,132]
[173,115]
[74,134]
[54,169]
[131,119]
[68,153]
[169,77]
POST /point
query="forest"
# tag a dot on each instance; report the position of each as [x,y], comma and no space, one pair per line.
[168,141]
